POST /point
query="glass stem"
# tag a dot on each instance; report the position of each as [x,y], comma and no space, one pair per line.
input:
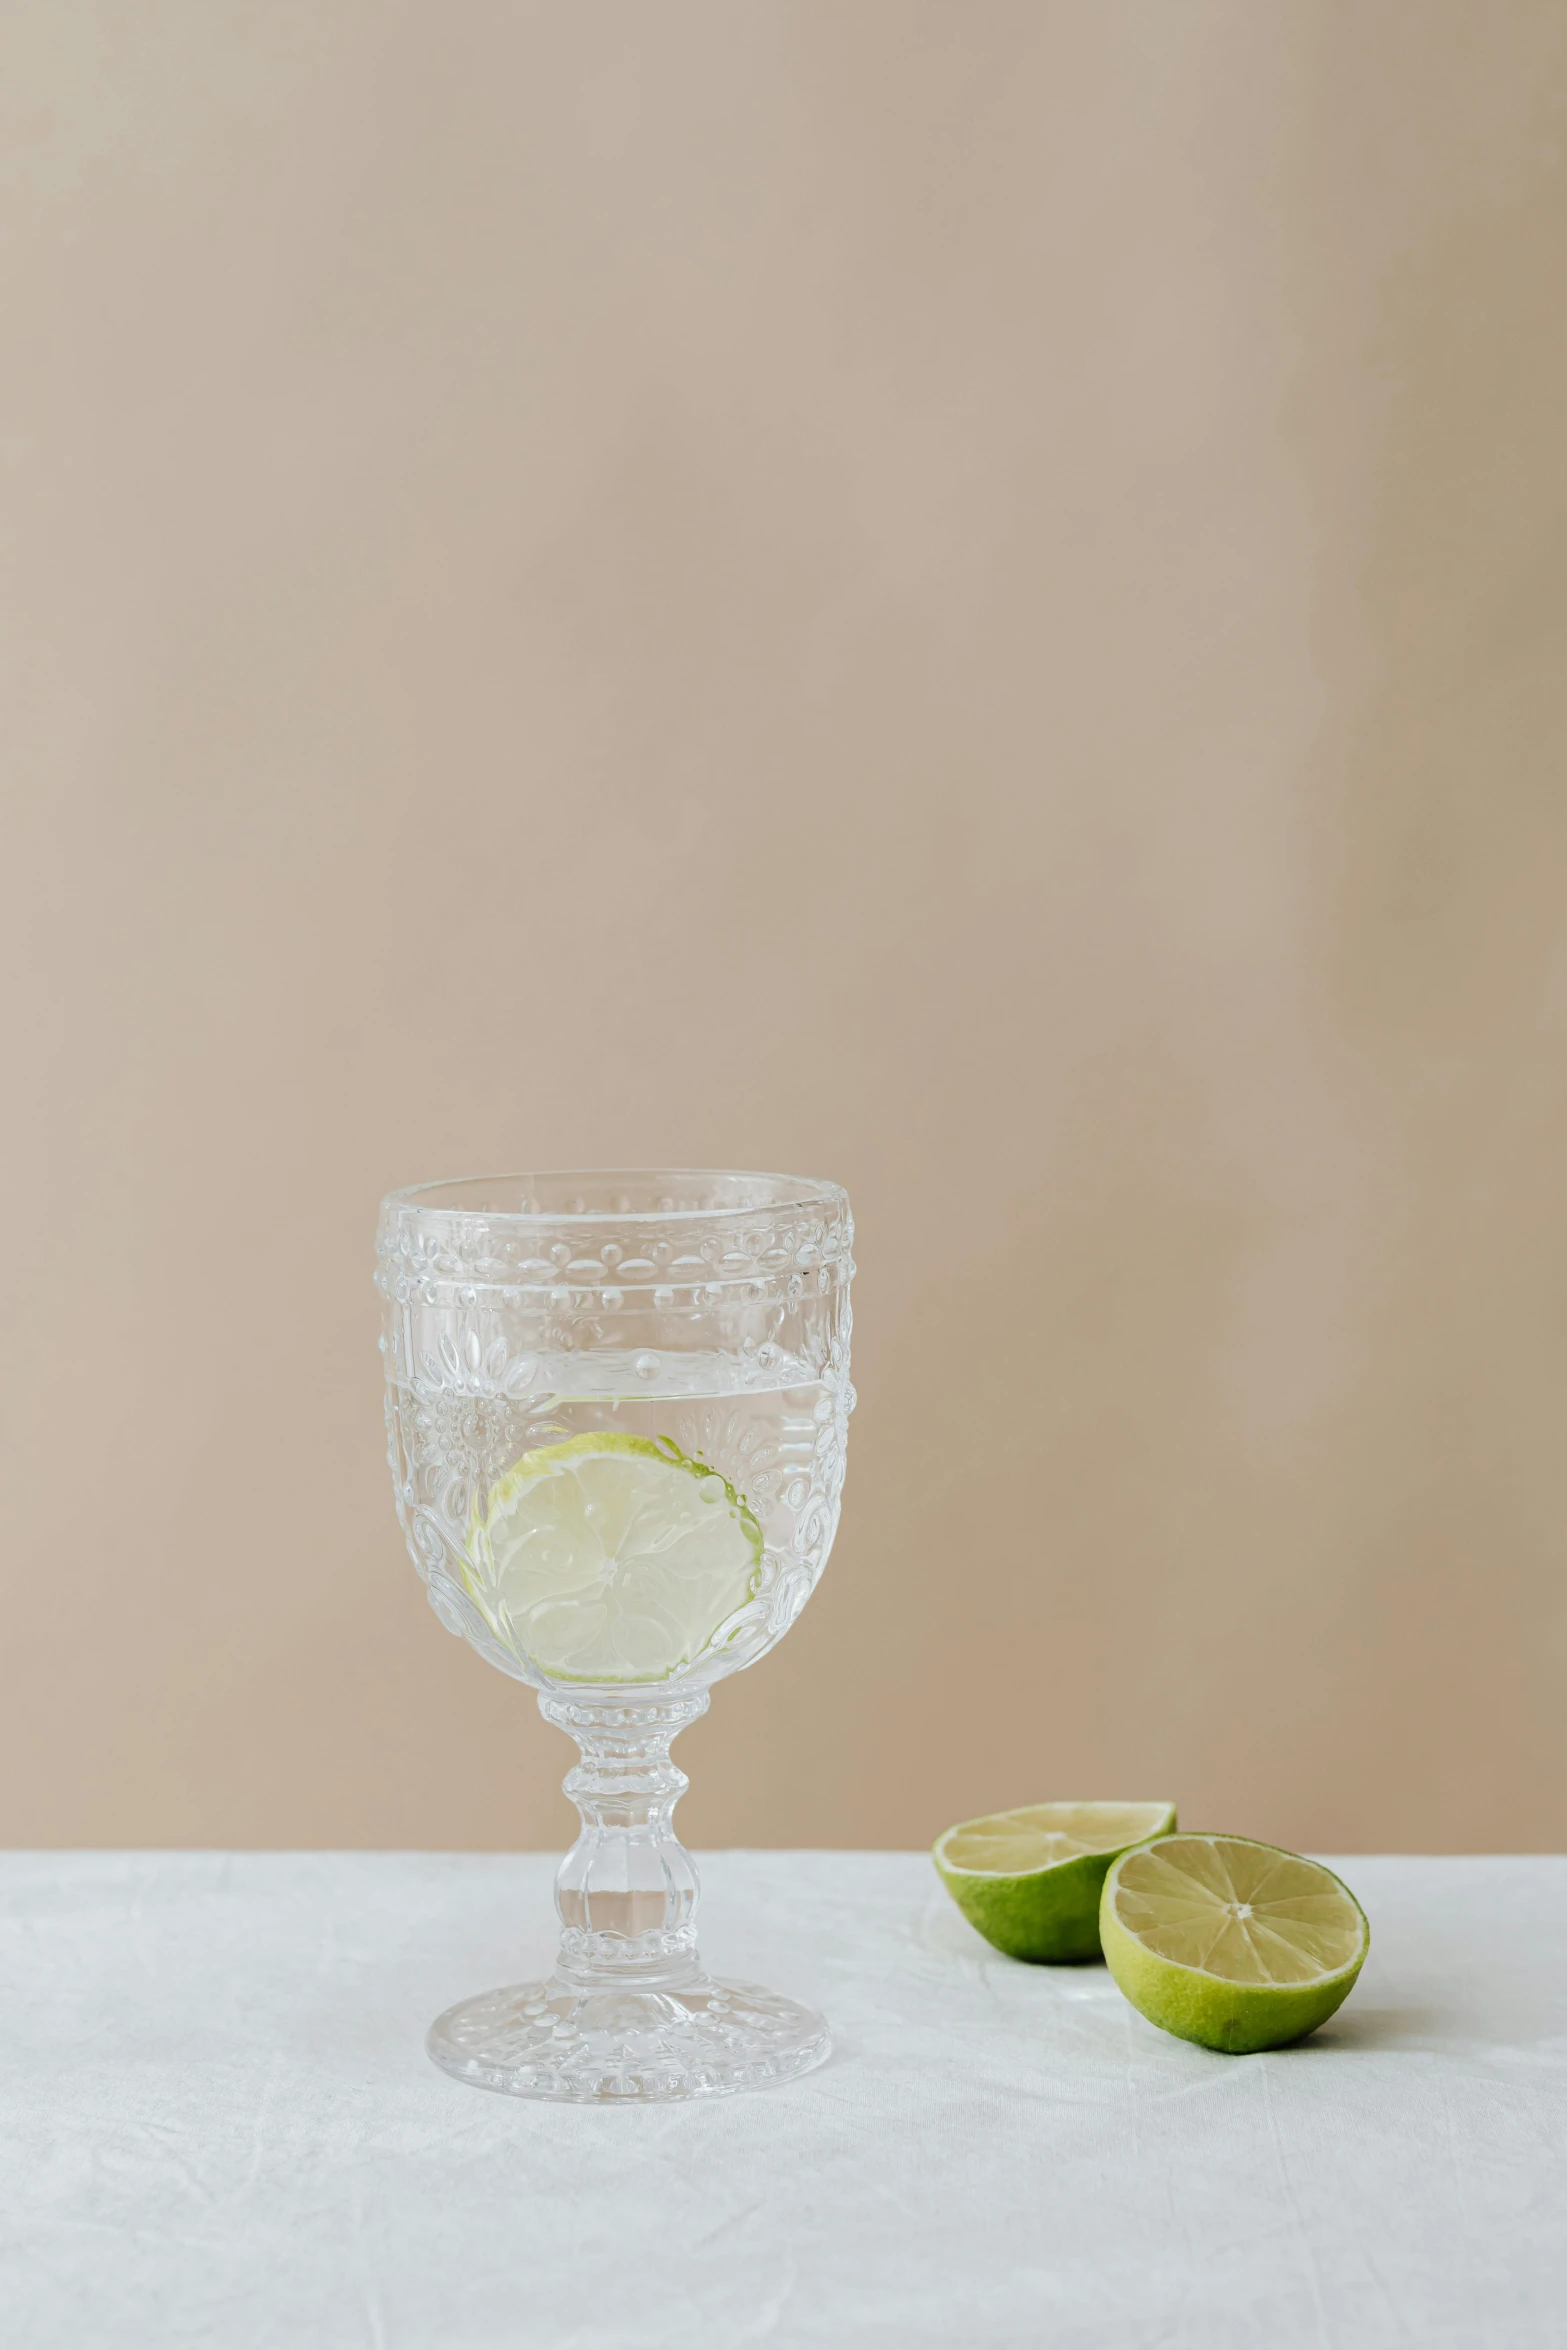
[627,1889]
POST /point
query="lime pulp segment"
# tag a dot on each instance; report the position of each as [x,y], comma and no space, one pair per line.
[1040,1835]
[612,1558]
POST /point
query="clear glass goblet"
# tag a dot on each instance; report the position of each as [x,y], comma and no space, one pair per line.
[617,1406]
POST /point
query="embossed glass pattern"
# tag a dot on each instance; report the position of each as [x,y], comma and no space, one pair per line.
[617,1408]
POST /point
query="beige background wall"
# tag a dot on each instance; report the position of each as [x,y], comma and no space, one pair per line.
[965,597]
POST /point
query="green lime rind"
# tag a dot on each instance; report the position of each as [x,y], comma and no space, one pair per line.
[546,1458]
[1047,1916]
[544,1461]
[1191,2003]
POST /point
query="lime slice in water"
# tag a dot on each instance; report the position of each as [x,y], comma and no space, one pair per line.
[612,1558]
[1029,1880]
[1233,1944]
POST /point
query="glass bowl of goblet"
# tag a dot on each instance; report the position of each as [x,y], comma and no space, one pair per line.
[617,1408]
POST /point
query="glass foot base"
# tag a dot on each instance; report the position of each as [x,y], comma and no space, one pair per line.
[617,2047]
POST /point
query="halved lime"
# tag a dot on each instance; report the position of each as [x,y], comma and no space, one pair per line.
[1229,1943]
[612,1558]
[1029,1880]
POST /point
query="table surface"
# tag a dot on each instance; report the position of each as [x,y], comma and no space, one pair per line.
[218,2126]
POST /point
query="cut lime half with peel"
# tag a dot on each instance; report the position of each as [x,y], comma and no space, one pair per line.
[612,1558]
[1233,1944]
[1029,1880]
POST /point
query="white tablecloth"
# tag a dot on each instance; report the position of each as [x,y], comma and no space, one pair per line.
[219,2127]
